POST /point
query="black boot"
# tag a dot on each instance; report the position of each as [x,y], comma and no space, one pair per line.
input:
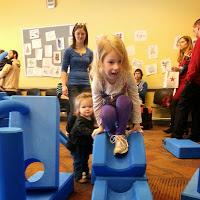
[169,130]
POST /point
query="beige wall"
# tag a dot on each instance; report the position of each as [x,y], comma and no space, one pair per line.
[163,20]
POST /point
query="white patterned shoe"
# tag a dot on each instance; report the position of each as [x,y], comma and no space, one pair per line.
[121,144]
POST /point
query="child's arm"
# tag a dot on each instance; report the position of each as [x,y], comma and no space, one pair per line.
[97,100]
[137,128]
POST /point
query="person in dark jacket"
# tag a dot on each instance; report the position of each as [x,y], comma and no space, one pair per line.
[185,51]
[80,139]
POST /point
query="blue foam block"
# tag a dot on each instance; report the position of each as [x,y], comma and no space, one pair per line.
[106,164]
[66,187]
[11,164]
[41,136]
[137,190]
[10,105]
[182,148]
[190,191]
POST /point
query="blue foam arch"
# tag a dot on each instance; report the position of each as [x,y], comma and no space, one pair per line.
[7,106]
[106,164]
[105,189]
[3,55]
[12,182]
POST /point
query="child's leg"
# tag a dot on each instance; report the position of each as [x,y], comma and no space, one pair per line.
[85,158]
[123,108]
[109,118]
[77,165]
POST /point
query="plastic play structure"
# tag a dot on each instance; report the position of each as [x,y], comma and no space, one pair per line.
[32,136]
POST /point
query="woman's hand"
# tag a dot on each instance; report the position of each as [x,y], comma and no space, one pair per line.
[97,131]
[64,90]
[175,69]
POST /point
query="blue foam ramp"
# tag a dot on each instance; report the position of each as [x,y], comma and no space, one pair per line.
[66,187]
[106,164]
[63,138]
[182,148]
[137,190]
[41,136]
[190,191]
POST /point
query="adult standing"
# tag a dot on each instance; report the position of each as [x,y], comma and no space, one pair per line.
[185,50]
[77,58]
[190,96]
[9,75]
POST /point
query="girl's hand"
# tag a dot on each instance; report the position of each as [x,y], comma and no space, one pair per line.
[137,128]
[97,131]
[64,90]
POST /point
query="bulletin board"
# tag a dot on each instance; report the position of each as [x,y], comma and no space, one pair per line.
[43,49]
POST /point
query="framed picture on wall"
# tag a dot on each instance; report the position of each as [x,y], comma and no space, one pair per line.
[56,57]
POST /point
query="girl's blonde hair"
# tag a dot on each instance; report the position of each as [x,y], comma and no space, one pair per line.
[79,99]
[105,45]
[184,52]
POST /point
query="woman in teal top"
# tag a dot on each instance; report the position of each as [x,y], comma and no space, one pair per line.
[77,58]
